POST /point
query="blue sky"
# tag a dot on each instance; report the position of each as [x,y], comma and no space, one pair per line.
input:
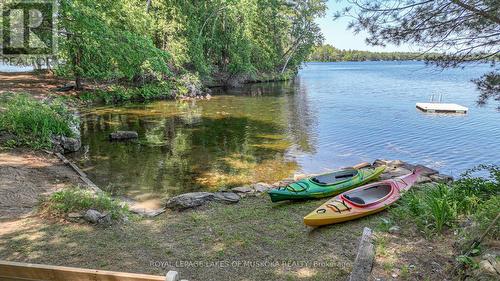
[336,32]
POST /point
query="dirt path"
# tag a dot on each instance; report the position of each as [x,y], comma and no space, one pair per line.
[25,177]
[39,85]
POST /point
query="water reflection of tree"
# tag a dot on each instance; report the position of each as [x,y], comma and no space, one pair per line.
[191,146]
[295,112]
[301,118]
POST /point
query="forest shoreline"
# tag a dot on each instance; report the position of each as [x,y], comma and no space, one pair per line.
[43,84]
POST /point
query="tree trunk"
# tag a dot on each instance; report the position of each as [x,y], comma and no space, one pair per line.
[78,83]
[148,6]
[76,62]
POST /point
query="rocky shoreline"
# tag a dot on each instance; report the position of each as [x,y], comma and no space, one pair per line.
[394,168]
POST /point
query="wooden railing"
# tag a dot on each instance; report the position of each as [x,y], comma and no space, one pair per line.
[16,271]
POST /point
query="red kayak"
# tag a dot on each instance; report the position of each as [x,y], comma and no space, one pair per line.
[362,201]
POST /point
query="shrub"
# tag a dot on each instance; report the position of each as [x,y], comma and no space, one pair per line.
[486,214]
[431,208]
[33,122]
[471,190]
[119,94]
[76,199]
[434,208]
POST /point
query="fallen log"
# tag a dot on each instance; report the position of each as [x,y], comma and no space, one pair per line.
[82,175]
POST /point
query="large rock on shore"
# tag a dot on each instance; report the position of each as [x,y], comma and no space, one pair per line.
[189,200]
[227,197]
[94,216]
[397,168]
[197,199]
[393,164]
[243,189]
[441,178]
[64,144]
[261,187]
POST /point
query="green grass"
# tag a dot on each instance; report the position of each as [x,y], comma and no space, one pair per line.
[76,200]
[32,122]
[254,230]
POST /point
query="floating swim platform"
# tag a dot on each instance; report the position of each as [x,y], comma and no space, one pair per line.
[433,107]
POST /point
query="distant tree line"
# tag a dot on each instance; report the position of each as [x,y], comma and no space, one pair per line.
[328,53]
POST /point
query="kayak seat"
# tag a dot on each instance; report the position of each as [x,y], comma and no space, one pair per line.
[368,195]
[331,178]
[356,200]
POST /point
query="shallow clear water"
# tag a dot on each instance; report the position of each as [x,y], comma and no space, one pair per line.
[334,114]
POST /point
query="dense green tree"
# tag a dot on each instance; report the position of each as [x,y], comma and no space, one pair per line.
[237,39]
[143,41]
[108,40]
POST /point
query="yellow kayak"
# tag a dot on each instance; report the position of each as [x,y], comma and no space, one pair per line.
[362,201]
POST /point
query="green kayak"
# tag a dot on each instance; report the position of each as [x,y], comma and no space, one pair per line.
[325,185]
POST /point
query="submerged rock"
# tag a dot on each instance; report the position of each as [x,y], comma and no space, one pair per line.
[123,135]
[189,200]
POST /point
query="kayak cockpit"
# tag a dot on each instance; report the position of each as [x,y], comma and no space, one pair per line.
[335,177]
[369,195]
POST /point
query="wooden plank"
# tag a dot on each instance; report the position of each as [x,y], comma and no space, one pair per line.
[15,271]
[364,259]
[82,174]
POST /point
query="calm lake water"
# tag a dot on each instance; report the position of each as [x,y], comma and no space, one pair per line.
[333,115]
